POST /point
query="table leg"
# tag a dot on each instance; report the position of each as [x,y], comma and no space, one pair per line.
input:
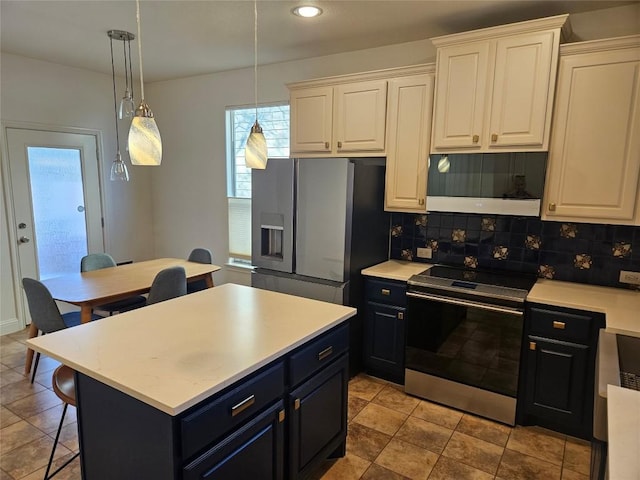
[208,279]
[85,313]
[33,332]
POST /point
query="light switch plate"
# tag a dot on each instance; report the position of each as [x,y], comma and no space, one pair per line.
[425,253]
[632,278]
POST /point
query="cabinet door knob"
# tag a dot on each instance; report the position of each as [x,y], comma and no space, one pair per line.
[339,144]
[476,138]
[494,137]
[400,315]
[385,291]
[532,345]
[296,404]
[281,416]
[552,207]
[558,325]
[326,145]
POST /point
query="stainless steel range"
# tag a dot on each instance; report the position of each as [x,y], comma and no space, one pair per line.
[464,333]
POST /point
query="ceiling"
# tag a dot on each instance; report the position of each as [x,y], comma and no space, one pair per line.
[183,37]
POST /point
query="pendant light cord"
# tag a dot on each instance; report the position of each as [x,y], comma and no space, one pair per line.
[140,50]
[126,76]
[255,55]
[130,69]
[115,101]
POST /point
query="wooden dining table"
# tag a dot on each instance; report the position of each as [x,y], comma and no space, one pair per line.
[90,289]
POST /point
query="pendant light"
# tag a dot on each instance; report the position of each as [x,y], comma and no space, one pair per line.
[127,107]
[255,153]
[119,171]
[145,144]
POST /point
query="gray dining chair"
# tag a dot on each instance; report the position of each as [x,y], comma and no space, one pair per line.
[167,284]
[45,313]
[199,255]
[96,261]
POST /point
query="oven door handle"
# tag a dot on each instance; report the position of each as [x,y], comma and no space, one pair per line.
[465,303]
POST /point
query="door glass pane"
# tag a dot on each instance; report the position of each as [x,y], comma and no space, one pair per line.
[57,197]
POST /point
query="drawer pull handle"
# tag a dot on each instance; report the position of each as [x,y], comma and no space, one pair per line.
[494,137]
[339,144]
[325,353]
[385,291]
[400,315]
[558,325]
[296,404]
[281,416]
[243,405]
[421,201]
[532,345]
[326,145]
[552,207]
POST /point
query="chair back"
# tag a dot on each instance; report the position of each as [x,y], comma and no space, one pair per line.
[96,261]
[168,283]
[200,255]
[42,306]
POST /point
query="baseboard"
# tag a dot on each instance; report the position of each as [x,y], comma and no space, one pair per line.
[10,325]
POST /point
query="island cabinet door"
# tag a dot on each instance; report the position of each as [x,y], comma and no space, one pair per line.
[318,418]
[252,452]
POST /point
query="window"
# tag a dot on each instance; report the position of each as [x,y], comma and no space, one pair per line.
[274,120]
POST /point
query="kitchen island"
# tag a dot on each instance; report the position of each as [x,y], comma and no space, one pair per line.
[205,386]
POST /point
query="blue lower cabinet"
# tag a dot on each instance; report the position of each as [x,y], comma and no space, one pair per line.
[253,451]
[318,418]
[278,422]
[384,330]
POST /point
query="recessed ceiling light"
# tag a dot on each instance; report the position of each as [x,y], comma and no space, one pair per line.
[307,11]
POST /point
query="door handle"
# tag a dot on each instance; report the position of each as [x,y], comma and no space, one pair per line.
[23,239]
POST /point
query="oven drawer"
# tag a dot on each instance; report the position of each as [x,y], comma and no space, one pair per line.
[384,291]
[574,326]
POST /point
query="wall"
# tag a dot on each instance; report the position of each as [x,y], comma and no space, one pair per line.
[166,211]
[574,252]
[189,191]
[56,96]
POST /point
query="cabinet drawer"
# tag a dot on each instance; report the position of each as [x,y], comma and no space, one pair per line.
[214,419]
[574,327]
[318,353]
[387,292]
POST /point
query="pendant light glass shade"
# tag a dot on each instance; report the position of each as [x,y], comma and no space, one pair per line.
[255,153]
[127,107]
[145,144]
[119,171]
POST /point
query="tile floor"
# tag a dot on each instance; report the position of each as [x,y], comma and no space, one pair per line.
[391,435]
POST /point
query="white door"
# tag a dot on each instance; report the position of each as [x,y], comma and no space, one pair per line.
[55,193]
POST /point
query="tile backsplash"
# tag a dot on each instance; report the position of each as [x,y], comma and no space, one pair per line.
[573,252]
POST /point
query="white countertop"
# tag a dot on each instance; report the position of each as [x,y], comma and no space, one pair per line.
[173,354]
[396,270]
[623,414]
[621,307]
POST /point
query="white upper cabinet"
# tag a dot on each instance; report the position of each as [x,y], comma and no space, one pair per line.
[347,117]
[593,171]
[409,124]
[494,87]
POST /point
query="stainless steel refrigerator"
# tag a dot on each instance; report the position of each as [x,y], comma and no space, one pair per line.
[316,223]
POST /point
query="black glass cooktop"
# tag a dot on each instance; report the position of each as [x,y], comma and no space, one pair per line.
[478,282]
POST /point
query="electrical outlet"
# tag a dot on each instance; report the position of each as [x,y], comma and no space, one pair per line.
[632,278]
[426,253]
